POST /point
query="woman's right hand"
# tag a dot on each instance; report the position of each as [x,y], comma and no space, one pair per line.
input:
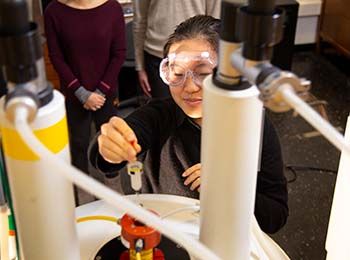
[143,79]
[118,142]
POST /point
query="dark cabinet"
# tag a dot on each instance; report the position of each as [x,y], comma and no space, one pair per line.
[335,25]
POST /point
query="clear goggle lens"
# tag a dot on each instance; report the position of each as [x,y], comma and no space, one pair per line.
[175,68]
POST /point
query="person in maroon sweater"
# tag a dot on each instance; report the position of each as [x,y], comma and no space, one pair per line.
[86,42]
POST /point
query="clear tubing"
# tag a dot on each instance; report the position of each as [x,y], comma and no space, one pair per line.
[79,178]
[4,233]
[313,118]
[176,211]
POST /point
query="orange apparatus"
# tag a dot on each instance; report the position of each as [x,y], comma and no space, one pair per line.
[140,239]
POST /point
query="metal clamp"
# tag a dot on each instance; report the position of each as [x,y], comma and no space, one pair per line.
[269,93]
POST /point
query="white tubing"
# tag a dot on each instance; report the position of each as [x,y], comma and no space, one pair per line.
[79,178]
[4,234]
[313,118]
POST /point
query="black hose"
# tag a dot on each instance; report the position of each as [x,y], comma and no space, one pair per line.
[261,6]
[294,168]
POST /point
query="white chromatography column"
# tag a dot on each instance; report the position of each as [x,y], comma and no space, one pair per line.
[231,133]
[43,200]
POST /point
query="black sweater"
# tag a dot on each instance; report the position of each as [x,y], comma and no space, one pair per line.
[170,144]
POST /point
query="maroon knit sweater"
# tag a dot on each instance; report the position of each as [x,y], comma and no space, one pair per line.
[86,47]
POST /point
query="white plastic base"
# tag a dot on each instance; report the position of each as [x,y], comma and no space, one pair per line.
[94,234]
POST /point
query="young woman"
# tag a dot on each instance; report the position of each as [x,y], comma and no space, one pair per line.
[165,134]
[86,42]
[153,21]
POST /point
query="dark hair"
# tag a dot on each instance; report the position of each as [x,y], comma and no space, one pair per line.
[199,26]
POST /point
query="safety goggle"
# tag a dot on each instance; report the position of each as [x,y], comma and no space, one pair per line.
[176,67]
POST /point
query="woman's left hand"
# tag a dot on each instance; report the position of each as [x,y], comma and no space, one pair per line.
[94,102]
[193,177]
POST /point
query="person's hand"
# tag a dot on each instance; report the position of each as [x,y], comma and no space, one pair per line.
[94,102]
[143,79]
[118,142]
[193,177]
